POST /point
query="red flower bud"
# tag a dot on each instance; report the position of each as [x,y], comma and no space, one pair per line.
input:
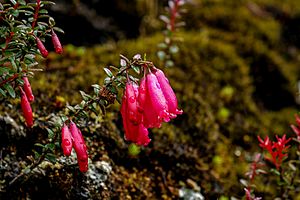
[26,108]
[27,89]
[66,140]
[41,47]
[56,43]
[80,147]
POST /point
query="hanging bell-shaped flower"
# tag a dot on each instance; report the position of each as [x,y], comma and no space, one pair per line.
[41,47]
[80,147]
[27,89]
[56,43]
[26,108]
[157,98]
[168,93]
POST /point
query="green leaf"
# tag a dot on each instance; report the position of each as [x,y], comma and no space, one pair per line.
[96,89]
[13,63]
[13,2]
[22,2]
[39,145]
[51,157]
[47,3]
[50,146]
[136,69]
[50,133]
[71,108]
[85,96]
[2,92]
[10,90]
[43,11]
[4,70]
[24,6]
[58,29]
[161,55]
[108,72]
[92,107]
[174,49]
[275,171]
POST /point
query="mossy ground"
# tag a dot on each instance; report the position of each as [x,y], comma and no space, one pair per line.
[235,78]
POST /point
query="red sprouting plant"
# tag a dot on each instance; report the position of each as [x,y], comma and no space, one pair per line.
[277,149]
[56,43]
[66,140]
[249,196]
[174,5]
[254,168]
[80,147]
[296,129]
[41,47]
[252,173]
[26,108]
[27,89]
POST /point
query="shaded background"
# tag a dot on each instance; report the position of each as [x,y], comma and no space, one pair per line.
[235,78]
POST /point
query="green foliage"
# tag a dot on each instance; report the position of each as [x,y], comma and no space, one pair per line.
[21,23]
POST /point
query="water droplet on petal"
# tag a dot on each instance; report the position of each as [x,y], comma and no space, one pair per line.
[67,142]
[132,99]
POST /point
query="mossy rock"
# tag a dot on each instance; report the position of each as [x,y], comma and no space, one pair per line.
[223,78]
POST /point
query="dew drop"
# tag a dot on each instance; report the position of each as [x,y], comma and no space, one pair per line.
[132,99]
[67,142]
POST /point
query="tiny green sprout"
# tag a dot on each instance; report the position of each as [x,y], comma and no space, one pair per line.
[134,150]
[223,114]
[227,92]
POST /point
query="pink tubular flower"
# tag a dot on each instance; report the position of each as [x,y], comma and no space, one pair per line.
[168,93]
[134,129]
[157,98]
[56,43]
[132,110]
[80,147]
[66,140]
[27,89]
[41,47]
[277,149]
[26,108]
[145,107]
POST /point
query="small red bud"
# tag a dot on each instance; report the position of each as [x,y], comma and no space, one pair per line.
[66,140]
[56,43]
[27,89]
[41,47]
[26,108]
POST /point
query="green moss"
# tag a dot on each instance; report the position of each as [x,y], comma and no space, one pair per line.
[215,79]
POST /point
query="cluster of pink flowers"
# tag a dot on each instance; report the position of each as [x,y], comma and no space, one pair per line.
[147,105]
[277,149]
[296,129]
[26,98]
[56,43]
[71,137]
